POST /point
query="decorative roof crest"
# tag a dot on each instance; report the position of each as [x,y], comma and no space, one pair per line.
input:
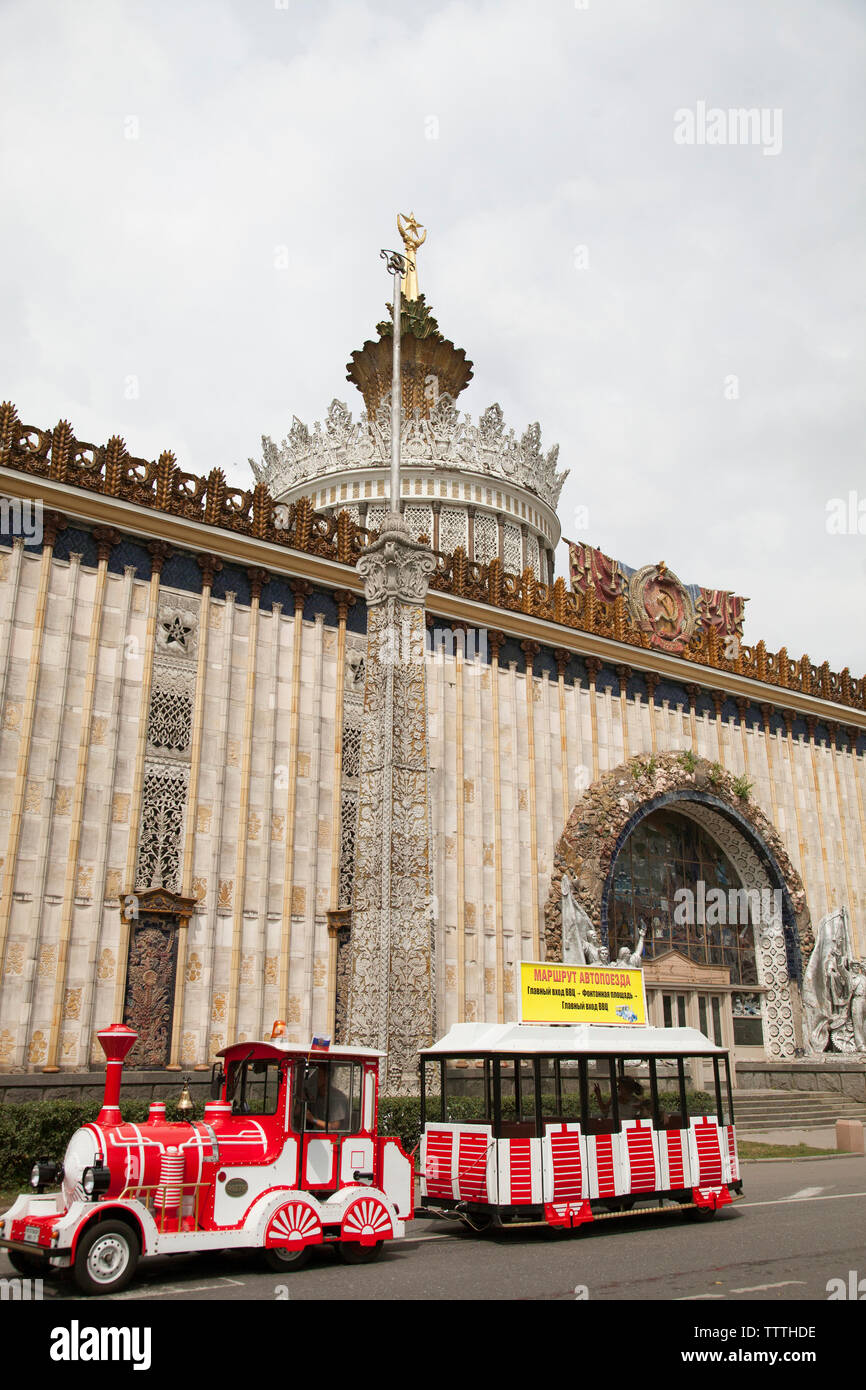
[445,439]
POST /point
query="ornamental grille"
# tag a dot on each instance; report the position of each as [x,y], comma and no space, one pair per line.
[419,520]
[169,722]
[513,549]
[348,823]
[162,811]
[453,529]
[532,555]
[375,517]
[486,538]
[352,751]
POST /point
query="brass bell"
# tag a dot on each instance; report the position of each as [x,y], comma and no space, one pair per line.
[185,1103]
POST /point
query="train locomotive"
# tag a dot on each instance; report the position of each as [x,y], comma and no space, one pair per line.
[286,1157]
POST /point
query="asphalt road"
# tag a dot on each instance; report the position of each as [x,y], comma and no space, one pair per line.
[798,1226]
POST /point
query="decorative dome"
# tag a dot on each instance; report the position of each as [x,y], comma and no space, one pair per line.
[474,486]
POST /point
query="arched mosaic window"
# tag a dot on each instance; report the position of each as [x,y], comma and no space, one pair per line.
[671,877]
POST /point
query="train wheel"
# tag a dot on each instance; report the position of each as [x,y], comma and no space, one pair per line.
[283,1260]
[106,1258]
[352,1252]
[22,1263]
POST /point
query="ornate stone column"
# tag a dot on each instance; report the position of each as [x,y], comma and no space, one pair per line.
[392,1002]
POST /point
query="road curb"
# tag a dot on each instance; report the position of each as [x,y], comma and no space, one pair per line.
[798,1158]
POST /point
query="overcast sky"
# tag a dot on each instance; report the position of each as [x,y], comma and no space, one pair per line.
[195,195]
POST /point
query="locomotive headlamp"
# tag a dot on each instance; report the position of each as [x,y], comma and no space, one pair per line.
[44,1173]
[95,1181]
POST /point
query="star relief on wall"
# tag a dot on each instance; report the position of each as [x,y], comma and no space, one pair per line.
[176,632]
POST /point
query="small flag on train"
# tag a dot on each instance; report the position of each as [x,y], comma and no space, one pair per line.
[321,1042]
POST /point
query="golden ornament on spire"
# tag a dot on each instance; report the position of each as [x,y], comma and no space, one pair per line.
[411,241]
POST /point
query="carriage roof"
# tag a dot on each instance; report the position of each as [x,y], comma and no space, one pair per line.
[570,1039]
[276,1047]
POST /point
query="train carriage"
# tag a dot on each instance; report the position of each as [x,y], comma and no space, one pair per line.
[567,1123]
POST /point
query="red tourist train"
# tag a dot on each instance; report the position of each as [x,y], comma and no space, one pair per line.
[559,1125]
[286,1158]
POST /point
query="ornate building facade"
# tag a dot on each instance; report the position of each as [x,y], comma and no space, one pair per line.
[184,674]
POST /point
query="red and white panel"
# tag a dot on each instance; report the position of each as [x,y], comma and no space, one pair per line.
[472,1155]
[605,1165]
[519,1165]
[294,1225]
[641,1156]
[565,1176]
[731,1163]
[437,1162]
[368,1221]
[706,1152]
[458,1163]
[675,1170]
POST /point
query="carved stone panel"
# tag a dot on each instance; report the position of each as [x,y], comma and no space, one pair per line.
[150,989]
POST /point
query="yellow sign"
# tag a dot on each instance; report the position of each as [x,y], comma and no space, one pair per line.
[554,993]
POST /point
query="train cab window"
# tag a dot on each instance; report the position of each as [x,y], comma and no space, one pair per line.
[633,1089]
[701,1103]
[432,1090]
[254,1087]
[603,1109]
[328,1098]
[551,1088]
[668,1081]
[517,1093]
[721,1076]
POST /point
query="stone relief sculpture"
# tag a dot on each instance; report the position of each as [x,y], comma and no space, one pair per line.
[834,991]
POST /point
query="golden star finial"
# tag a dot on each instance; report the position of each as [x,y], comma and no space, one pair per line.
[411,241]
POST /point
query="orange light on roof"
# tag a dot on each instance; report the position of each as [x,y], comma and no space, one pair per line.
[279,1028]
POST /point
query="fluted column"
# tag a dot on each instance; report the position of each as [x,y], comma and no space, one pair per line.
[652,681]
[53,523]
[496,641]
[105,540]
[531,651]
[344,600]
[258,578]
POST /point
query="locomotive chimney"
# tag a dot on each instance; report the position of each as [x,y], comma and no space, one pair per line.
[116,1042]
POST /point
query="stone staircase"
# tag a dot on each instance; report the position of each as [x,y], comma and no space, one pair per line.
[756,1110]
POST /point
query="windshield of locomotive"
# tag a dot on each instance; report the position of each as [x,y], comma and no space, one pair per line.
[674,888]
